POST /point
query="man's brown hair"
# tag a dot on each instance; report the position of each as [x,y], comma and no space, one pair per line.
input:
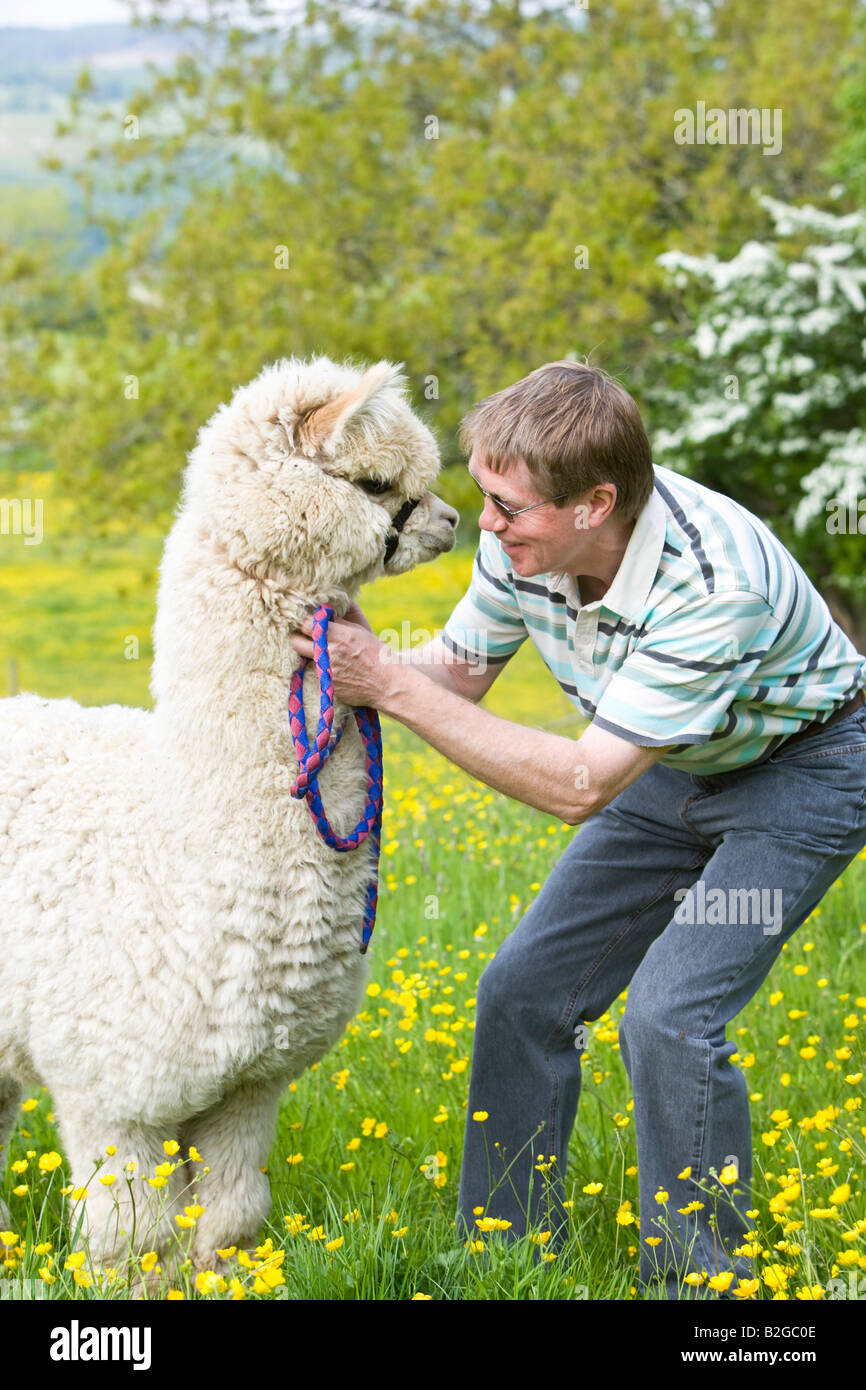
[574,426]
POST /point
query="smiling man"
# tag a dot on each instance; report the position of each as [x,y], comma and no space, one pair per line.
[724,768]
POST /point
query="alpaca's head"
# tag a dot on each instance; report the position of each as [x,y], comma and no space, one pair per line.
[302,474]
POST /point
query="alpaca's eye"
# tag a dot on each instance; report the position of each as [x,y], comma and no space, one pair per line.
[374,486]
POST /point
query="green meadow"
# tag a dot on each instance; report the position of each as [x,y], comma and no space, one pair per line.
[365,1163]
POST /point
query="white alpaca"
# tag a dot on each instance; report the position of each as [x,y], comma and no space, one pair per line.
[176,941]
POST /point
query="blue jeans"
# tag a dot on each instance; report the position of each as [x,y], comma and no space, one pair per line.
[616,912]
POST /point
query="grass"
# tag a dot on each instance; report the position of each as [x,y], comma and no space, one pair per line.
[365,1162]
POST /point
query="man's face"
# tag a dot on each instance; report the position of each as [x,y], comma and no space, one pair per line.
[548,540]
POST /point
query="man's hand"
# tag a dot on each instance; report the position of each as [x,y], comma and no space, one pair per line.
[360,663]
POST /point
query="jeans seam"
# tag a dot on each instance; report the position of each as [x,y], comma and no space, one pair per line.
[701,1122]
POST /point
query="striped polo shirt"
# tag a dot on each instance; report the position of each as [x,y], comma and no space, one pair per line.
[710,637]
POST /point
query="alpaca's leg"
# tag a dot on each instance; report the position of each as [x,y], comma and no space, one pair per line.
[130,1215]
[234,1139]
[10,1091]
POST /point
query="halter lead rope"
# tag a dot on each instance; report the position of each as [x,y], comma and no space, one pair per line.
[310,761]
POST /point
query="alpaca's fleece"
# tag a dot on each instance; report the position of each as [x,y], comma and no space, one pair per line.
[176,941]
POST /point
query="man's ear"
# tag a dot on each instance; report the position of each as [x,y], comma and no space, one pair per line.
[321,431]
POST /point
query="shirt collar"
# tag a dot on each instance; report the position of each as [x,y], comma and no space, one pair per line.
[637,569]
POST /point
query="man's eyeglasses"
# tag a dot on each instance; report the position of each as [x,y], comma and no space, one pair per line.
[508,512]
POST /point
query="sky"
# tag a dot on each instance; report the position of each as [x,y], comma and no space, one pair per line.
[60,14]
[64,14]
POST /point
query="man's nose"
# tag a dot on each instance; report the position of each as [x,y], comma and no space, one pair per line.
[491,518]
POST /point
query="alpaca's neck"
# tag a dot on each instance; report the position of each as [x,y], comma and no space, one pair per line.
[222,668]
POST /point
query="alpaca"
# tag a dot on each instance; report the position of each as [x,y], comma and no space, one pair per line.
[176,941]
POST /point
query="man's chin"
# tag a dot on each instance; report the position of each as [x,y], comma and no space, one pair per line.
[523,561]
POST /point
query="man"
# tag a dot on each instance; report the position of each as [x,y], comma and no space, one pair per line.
[725,764]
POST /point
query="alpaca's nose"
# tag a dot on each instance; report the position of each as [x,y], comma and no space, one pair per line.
[442,512]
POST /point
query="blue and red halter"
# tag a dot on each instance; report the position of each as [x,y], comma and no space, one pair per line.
[311,760]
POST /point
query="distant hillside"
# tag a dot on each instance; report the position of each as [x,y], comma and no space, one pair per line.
[49,59]
[38,69]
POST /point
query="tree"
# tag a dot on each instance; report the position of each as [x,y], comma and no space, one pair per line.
[766,398]
[470,189]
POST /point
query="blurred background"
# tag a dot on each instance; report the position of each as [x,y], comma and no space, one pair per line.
[674,191]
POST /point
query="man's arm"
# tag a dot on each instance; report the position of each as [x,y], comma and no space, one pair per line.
[471,680]
[567,778]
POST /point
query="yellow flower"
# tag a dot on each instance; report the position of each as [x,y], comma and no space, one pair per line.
[170,1146]
[148,1261]
[422,1297]
[334,1244]
[174,1295]
[746,1288]
[30,1104]
[694,1279]
[661,1196]
[593,1187]
[208,1281]
[75,1261]
[776,1276]
[295,1158]
[625,1216]
[48,1162]
[8,1238]
[840,1194]
[686,1173]
[353,1144]
[721,1282]
[480,1115]
[194,1154]
[729,1174]
[227,1253]
[107,1179]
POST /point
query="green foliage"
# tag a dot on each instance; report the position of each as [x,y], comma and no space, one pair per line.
[766,398]
[432,172]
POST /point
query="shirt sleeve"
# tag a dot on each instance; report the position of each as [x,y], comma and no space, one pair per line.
[487,622]
[678,684]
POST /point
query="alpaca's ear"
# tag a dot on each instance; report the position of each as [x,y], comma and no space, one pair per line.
[320,432]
